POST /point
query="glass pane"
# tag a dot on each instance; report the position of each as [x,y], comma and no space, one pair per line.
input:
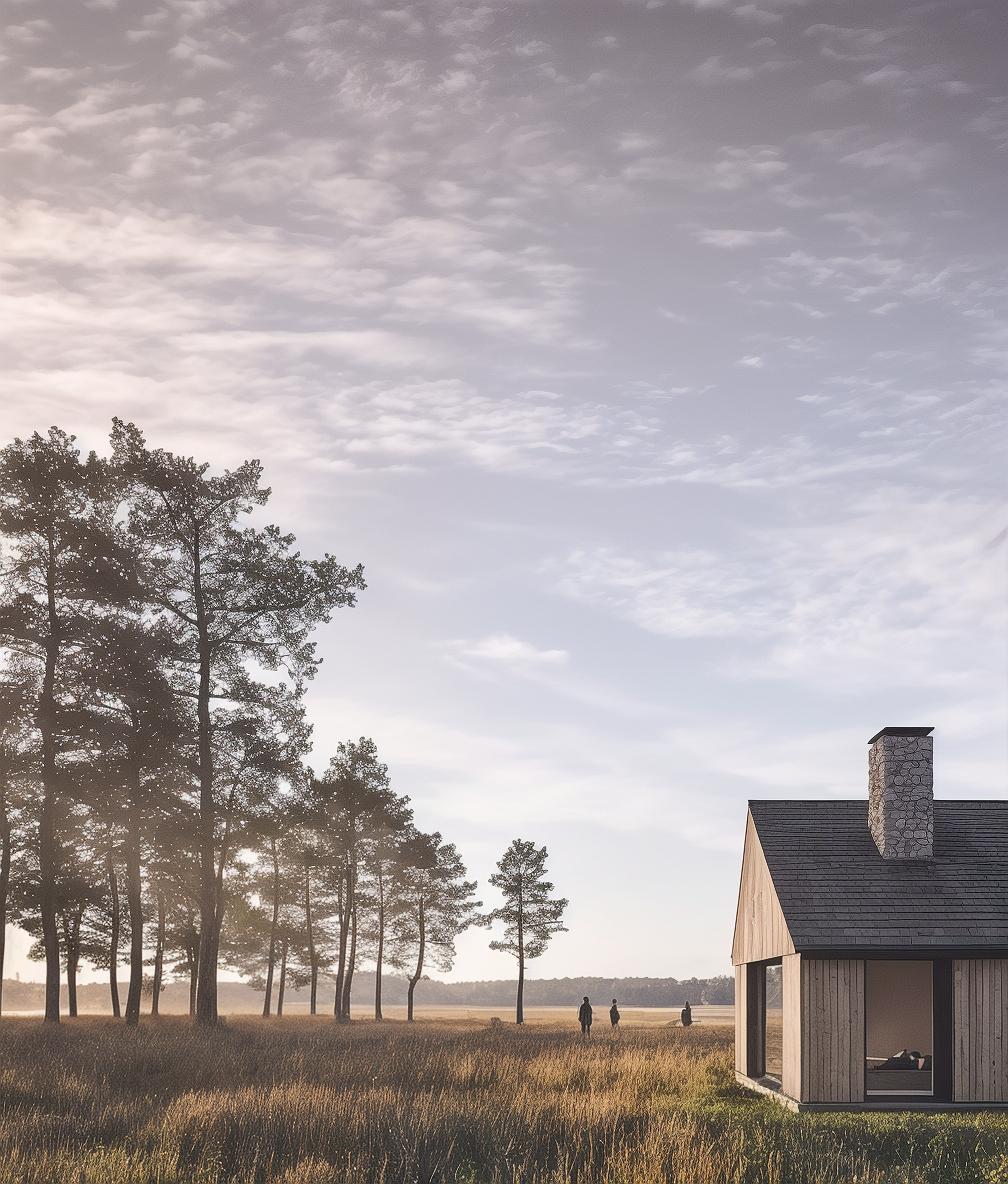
[774,1024]
[899,1040]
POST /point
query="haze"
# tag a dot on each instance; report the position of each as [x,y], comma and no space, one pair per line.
[650,356]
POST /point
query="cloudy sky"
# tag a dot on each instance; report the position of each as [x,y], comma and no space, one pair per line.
[650,354]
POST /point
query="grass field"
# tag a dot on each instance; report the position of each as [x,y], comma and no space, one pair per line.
[303,1101]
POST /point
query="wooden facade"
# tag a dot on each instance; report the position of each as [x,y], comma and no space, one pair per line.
[791,1025]
[980,1027]
[761,933]
[832,1027]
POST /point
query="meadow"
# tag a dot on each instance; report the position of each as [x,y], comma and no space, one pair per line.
[310,1101]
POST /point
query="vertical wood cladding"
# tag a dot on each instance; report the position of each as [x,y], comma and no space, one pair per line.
[792,1024]
[832,1030]
[760,929]
[980,1037]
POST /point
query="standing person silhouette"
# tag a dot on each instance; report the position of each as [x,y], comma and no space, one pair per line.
[585,1018]
[614,1016]
[686,1015]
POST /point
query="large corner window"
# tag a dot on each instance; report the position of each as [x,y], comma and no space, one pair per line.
[899,1028]
[765,1022]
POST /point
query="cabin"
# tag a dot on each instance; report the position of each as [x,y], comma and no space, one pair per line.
[871,944]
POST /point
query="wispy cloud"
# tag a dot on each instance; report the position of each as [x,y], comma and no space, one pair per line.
[826,601]
[715,69]
[653,355]
[730,240]
[504,651]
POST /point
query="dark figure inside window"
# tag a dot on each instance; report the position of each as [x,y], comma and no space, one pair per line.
[687,1015]
[585,1017]
[614,1015]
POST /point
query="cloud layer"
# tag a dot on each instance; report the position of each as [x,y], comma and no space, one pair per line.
[650,354]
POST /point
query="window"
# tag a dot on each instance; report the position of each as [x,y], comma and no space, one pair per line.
[765,1021]
[899,1028]
[774,1023]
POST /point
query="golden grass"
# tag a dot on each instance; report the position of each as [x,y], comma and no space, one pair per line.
[311,1102]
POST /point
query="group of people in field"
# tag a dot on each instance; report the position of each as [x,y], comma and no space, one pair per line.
[585,1017]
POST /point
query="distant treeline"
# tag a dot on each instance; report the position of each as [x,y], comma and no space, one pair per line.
[553,992]
[548,992]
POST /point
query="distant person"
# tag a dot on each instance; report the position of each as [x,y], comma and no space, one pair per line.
[614,1016]
[585,1018]
[686,1015]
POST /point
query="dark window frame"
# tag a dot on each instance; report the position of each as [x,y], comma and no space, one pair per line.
[756,1019]
[942,1034]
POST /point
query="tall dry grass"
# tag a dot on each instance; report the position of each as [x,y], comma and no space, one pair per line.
[312,1102]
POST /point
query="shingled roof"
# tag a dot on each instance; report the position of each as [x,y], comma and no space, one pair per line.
[835,889]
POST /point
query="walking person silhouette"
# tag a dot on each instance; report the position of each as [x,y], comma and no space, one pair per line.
[585,1018]
[614,1017]
[686,1015]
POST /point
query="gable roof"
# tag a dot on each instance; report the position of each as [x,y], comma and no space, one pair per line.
[835,889]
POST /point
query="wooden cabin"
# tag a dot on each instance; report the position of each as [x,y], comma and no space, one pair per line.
[871,944]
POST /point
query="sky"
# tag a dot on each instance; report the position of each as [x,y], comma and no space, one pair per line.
[650,354]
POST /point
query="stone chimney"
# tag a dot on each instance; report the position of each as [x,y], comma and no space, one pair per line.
[901,793]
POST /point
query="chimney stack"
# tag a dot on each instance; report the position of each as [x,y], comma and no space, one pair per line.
[901,793]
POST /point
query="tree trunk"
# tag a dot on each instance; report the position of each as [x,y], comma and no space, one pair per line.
[381,945]
[134,902]
[415,978]
[71,984]
[206,987]
[47,820]
[5,862]
[312,957]
[273,928]
[192,959]
[71,942]
[344,933]
[351,962]
[114,932]
[519,1006]
[158,954]
[283,978]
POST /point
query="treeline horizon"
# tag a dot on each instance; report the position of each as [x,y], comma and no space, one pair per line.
[556,992]
[156,806]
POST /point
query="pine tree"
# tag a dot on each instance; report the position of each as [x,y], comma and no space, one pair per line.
[529,914]
[434,903]
[233,596]
[15,775]
[389,832]
[350,802]
[56,513]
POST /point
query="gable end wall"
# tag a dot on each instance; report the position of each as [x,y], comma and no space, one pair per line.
[760,929]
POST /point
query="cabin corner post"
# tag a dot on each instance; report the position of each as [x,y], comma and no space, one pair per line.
[792,1019]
